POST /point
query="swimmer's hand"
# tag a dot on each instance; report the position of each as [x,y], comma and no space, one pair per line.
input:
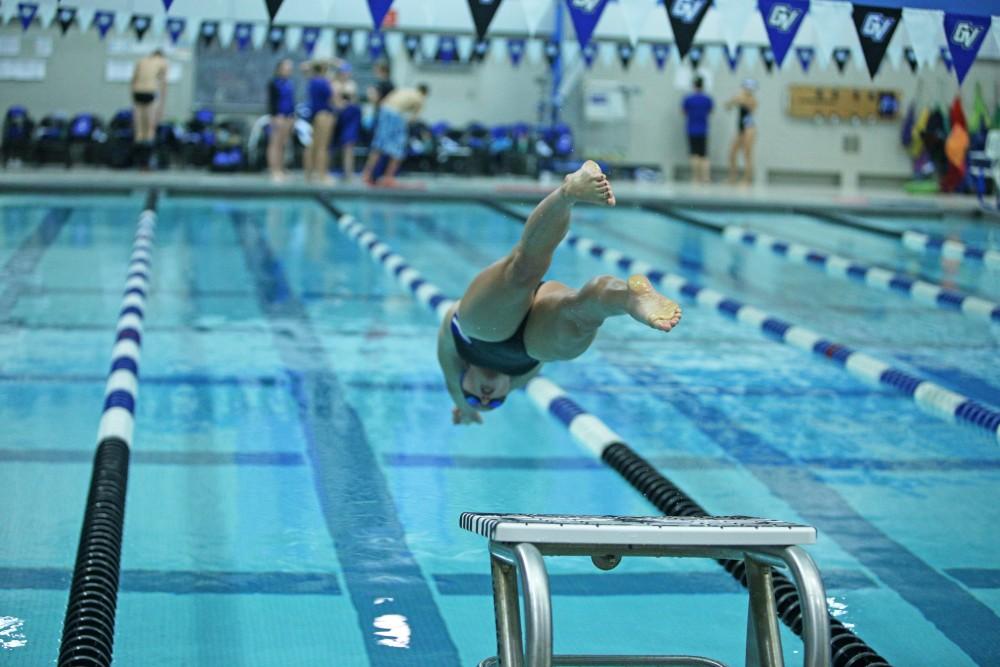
[465,416]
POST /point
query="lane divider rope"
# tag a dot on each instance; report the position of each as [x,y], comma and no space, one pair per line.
[843,267]
[588,430]
[89,624]
[949,249]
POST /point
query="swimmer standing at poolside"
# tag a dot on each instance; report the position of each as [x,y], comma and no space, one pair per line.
[395,111]
[510,320]
[149,90]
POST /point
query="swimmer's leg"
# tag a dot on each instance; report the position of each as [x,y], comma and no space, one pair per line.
[564,322]
[498,298]
[374,155]
[749,137]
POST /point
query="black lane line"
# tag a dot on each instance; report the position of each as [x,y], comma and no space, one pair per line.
[381,574]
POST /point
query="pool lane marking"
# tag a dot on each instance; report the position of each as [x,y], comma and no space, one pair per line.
[950,249]
[963,619]
[25,259]
[381,574]
[845,268]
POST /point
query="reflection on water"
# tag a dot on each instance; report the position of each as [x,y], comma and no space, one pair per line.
[11,636]
[393,629]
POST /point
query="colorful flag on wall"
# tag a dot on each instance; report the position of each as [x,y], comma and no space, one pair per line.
[733,57]
[685,17]
[376,44]
[483,12]
[343,40]
[26,12]
[276,37]
[585,15]
[447,49]
[660,54]
[412,43]
[875,26]
[175,28]
[65,17]
[141,23]
[515,50]
[272,8]
[166,5]
[965,35]
[480,49]
[841,56]
[379,8]
[588,53]
[242,34]
[310,35]
[209,32]
[695,55]
[625,53]
[103,20]
[805,54]
[782,19]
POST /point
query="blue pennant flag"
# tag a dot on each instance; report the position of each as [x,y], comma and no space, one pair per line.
[26,11]
[965,35]
[175,27]
[242,34]
[412,44]
[782,19]
[379,9]
[103,20]
[585,15]
[589,52]
[166,5]
[733,57]
[805,55]
[660,54]
[310,35]
[376,44]
[515,50]
[447,51]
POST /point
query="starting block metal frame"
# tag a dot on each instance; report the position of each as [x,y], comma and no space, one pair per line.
[518,542]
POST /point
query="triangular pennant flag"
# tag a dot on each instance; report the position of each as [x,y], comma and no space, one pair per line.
[588,53]
[585,15]
[393,44]
[946,59]
[412,45]
[479,50]
[464,45]
[805,54]
[26,12]
[625,53]
[733,57]
[695,55]
[911,59]
[276,37]
[65,16]
[166,5]
[894,54]
[534,12]
[140,23]
[175,28]
[310,35]
[734,15]
[260,35]
[343,42]
[447,49]
[272,8]
[832,28]
[841,56]
[634,14]
[379,9]
[209,32]
[483,12]
[103,20]
[767,57]
[782,19]
[875,26]
[926,31]
[685,17]
[376,44]
[965,35]
[660,54]
[551,52]
[242,34]
[515,50]
[713,56]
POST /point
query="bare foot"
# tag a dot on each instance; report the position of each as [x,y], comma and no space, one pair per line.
[387,182]
[648,306]
[589,184]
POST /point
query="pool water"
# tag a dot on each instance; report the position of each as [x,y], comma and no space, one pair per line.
[296,480]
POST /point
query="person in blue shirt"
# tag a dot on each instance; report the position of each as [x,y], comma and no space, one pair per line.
[697,107]
[281,106]
[317,156]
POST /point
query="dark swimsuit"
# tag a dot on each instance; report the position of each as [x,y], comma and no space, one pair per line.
[745,119]
[506,356]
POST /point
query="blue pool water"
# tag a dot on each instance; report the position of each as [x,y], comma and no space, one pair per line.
[296,482]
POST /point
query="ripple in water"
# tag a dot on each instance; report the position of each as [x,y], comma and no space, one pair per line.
[11,636]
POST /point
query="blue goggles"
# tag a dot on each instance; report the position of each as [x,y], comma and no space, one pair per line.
[475,401]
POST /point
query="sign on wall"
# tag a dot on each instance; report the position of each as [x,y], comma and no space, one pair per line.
[842,102]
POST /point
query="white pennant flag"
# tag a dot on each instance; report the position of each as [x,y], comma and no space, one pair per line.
[643,54]
[534,12]
[359,43]
[8,12]
[84,18]
[634,14]
[293,37]
[464,46]
[259,35]
[226,30]
[713,57]
[498,50]
[733,16]
[607,52]
[534,51]
[123,21]
[894,52]
[570,52]
[394,43]
[926,30]
[834,28]
[750,56]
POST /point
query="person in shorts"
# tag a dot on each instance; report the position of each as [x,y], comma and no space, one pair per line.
[391,130]
[697,108]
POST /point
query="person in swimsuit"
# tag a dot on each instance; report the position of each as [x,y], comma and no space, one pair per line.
[510,321]
[149,87]
[746,131]
[395,112]
[317,155]
[281,106]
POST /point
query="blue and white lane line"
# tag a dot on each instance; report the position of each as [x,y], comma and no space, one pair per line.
[118,420]
[956,250]
[873,276]
[588,430]
[931,397]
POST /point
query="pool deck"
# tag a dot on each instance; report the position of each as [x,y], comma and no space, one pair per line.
[429,186]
